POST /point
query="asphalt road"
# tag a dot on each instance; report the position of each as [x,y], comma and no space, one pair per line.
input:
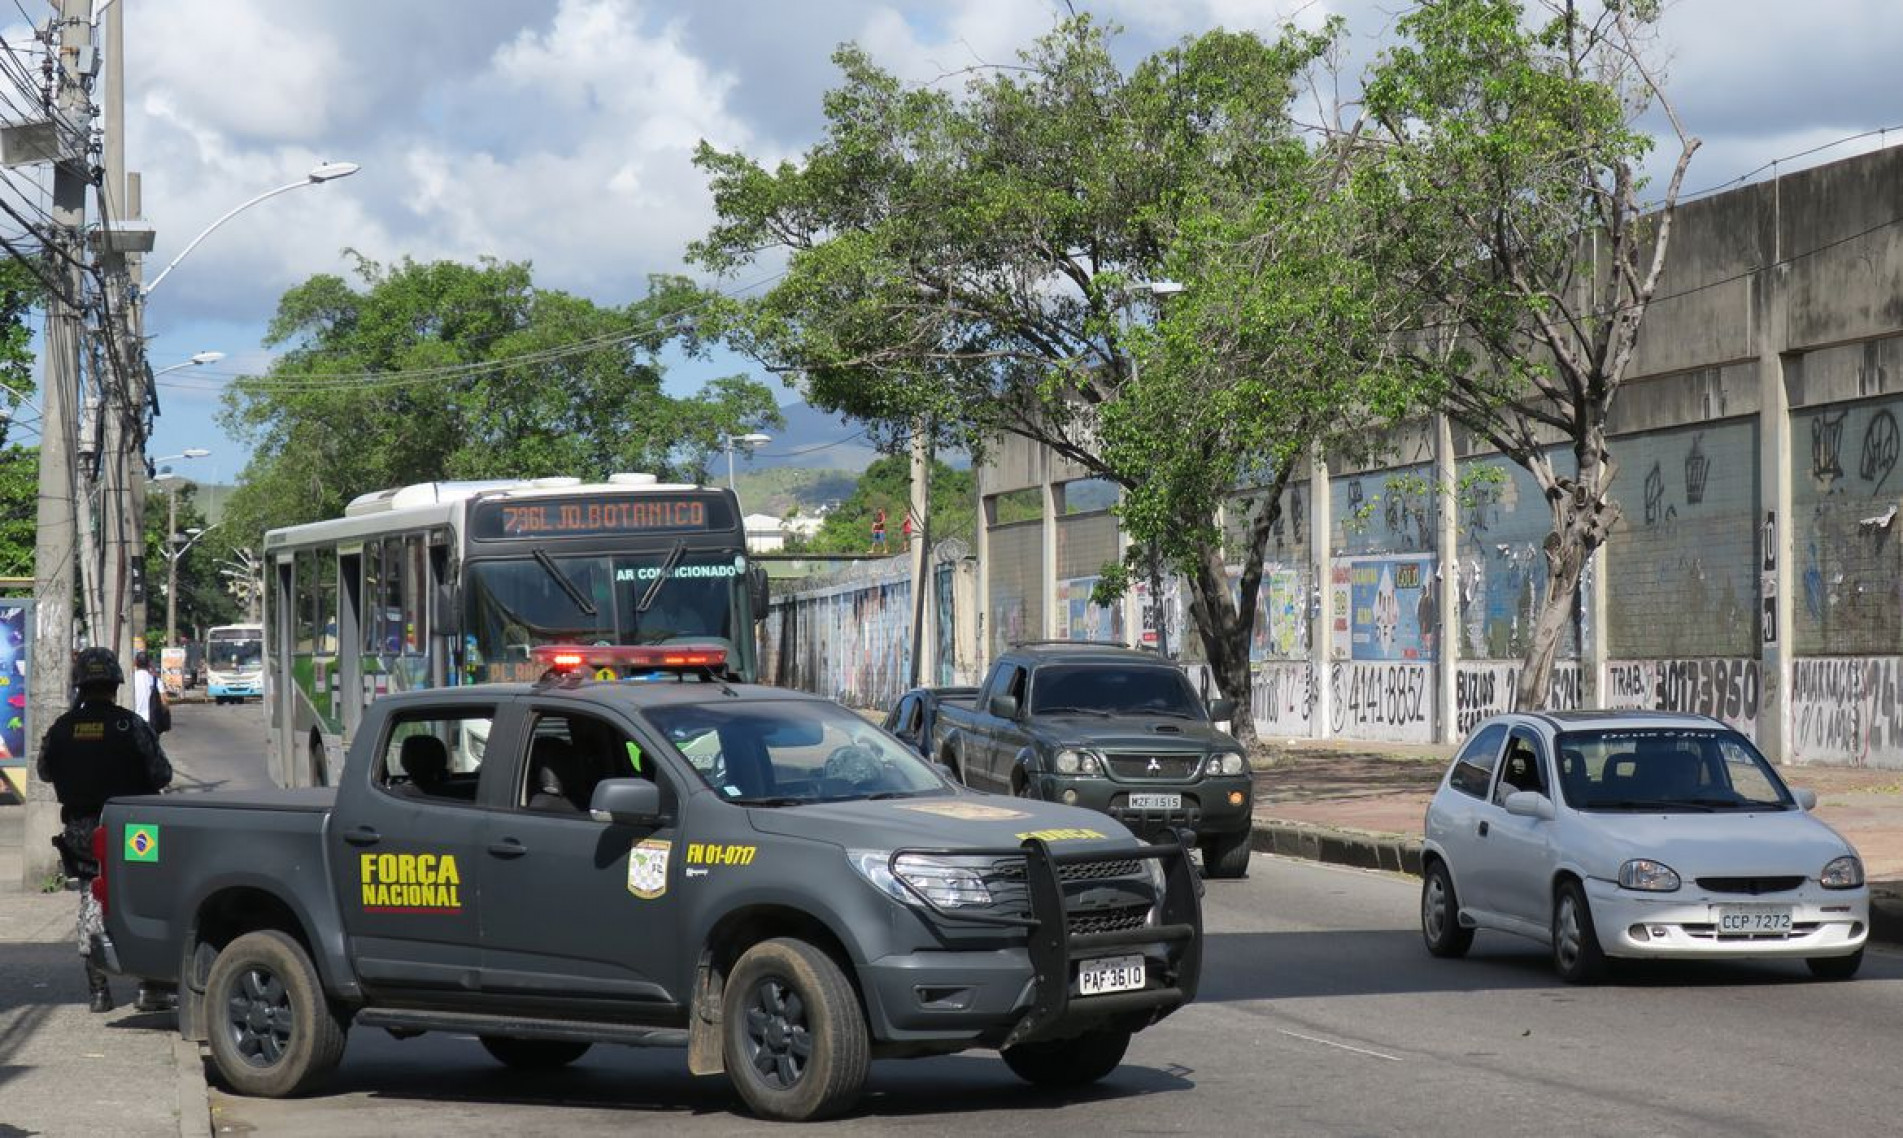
[1320,1014]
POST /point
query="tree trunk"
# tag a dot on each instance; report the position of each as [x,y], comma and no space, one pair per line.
[1583,514]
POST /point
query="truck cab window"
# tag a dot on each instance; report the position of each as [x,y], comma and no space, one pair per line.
[436,757]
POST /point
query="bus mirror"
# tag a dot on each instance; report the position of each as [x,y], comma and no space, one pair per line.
[444,612]
[757,591]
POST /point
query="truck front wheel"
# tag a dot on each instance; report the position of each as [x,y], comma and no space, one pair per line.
[1226,855]
[271,1030]
[1068,1062]
[795,1039]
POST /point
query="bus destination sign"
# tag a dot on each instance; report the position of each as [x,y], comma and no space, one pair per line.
[596,516]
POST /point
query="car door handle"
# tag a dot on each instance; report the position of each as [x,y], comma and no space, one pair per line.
[362,836]
[508,847]
[1483,829]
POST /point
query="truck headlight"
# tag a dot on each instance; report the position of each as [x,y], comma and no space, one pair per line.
[1225,762]
[948,883]
[1845,872]
[1070,761]
[1646,875]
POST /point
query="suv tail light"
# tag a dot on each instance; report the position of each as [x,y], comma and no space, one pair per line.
[99,856]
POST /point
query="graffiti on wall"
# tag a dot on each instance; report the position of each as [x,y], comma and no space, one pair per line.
[1282,698]
[1723,688]
[1484,689]
[1392,613]
[1382,701]
[1281,613]
[851,644]
[1846,710]
[1078,619]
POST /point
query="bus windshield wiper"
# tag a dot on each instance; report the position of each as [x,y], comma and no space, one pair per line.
[668,563]
[581,600]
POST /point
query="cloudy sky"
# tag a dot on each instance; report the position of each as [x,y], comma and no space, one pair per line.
[560,131]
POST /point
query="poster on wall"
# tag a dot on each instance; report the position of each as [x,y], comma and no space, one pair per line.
[1393,612]
[15,623]
[1078,619]
[1162,626]
[1281,615]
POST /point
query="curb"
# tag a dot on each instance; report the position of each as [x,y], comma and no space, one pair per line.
[194,1097]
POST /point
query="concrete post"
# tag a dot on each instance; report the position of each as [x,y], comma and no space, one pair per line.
[1053,502]
[1321,537]
[1446,580]
[1776,568]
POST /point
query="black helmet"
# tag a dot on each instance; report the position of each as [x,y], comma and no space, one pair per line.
[97,665]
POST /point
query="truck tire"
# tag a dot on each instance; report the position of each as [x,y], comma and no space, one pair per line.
[272,1032]
[1068,1062]
[533,1054]
[795,1041]
[1226,855]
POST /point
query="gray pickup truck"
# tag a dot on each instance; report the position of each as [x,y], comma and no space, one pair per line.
[759,876]
[1100,726]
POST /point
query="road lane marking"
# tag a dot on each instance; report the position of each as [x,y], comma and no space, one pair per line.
[1343,1046]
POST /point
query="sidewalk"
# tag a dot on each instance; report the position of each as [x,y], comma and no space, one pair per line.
[64,1071]
[1362,804]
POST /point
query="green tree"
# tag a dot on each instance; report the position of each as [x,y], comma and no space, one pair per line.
[202,598]
[1511,182]
[887,484]
[441,370]
[20,293]
[966,262]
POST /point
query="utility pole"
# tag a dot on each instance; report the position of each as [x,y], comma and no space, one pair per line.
[53,563]
[924,626]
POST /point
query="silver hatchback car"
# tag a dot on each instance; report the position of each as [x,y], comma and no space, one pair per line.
[1635,835]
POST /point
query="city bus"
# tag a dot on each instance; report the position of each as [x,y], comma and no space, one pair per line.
[446,583]
[234,662]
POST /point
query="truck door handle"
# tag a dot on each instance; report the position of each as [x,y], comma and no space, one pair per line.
[362,836]
[1483,829]
[508,847]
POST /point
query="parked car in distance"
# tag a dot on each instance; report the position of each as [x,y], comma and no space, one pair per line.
[1105,727]
[915,715]
[1634,835]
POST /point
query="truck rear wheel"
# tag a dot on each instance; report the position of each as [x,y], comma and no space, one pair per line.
[271,1030]
[533,1054]
[1068,1062]
[795,1040]
[1226,855]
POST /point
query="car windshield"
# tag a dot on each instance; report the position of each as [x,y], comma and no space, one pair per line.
[1675,769]
[793,752]
[1113,689]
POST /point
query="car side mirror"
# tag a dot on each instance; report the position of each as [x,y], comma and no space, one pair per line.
[1222,710]
[445,615]
[757,593]
[1530,804]
[1806,798]
[1004,706]
[629,801]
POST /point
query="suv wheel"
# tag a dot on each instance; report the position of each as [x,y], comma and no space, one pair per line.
[1226,855]
[272,1032]
[1068,1062]
[795,1041]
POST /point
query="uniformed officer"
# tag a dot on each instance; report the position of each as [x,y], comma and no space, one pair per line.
[96,751]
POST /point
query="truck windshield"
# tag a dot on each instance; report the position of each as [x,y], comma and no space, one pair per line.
[516,604]
[1113,689]
[1667,769]
[791,752]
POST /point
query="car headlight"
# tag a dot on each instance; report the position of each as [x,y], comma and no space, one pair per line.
[1070,761]
[945,882]
[1650,876]
[1845,872]
[1225,762]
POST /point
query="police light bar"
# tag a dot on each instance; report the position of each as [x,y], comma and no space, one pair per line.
[658,657]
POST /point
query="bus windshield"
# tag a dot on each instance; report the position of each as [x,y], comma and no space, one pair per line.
[234,649]
[518,603]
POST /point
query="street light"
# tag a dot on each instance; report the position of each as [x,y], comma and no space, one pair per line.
[174,550]
[195,361]
[328,172]
[751,442]
[152,464]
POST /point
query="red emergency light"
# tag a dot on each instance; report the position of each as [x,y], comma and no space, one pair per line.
[653,657]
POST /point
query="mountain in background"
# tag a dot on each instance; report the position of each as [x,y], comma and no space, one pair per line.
[812,464]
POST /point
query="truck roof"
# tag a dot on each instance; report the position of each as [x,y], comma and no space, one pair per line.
[1086,652]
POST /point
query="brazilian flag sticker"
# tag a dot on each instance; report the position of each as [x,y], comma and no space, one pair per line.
[142,843]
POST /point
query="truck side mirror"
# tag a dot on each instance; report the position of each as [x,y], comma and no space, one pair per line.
[629,801]
[445,611]
[1004,706]
[757,594]
[1222,710]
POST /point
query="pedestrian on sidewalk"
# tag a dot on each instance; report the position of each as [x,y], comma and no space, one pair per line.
[96,751]
[148,694]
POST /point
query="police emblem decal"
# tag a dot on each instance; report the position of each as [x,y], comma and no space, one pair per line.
[647,867]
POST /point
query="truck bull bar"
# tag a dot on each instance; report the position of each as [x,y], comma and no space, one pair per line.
[1054,947]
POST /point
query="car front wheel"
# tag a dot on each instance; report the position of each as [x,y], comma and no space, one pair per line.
[1440,914]
[1576,952]
[1835,967]
[795,1045]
